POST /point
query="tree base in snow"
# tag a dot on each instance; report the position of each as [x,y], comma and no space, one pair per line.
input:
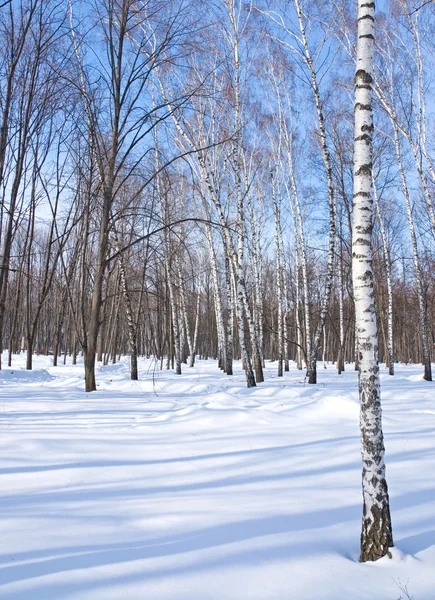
[376,534]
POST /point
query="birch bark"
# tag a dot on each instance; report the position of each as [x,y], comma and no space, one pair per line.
[312,358]
[302,257]
[240,193]
[217,299]
[128,308]
[297,318]
[340,361]
[257,272]
[376,534]
[230,314]
[387,260]
[286,298]
[276,209]
[417,268]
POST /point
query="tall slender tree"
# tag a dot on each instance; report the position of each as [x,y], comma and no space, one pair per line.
[376,534]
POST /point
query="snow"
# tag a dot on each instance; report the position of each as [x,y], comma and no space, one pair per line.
[197,488]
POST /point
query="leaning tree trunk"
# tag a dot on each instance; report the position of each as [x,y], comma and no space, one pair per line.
[312,359]
[376,534]
[416,258]
[420,119]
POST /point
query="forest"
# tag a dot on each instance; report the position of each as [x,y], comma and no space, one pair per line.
[243,184]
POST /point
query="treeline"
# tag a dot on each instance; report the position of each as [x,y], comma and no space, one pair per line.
[176,180]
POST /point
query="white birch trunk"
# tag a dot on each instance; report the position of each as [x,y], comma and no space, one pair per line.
[426,192]
[416,149]
[167,247]
[297,319]
[312,358]
[390,347]
[217,299]
[240,195]
[420,119]
[417,268]
[257,270]
[246,360]
[128,310]
[301,264]
[376,534]
[324,347]
[286,297]
[276,209]
[285,139]
[340,361]
[230,314]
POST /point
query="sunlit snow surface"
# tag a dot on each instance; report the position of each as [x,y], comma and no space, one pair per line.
[197,488]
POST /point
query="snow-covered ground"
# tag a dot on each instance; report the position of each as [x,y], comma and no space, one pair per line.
[196,488]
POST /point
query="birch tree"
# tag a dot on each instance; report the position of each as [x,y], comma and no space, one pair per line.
[277,219]
[376,534]
[298,42]
[387,261]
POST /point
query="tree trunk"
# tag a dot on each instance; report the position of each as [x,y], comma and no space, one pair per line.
[230,323]
[128,311]
[376,533]
[312,360]
[97,294]
[417,268]
[29,353]
[390,351]
[89,361]
[340,360]
[276,210]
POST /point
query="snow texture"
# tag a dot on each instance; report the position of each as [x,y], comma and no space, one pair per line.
[197,488]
